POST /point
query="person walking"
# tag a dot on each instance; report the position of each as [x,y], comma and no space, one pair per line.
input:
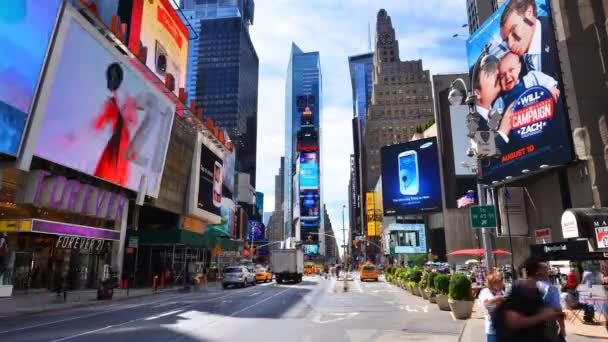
[555,330]
[489,298]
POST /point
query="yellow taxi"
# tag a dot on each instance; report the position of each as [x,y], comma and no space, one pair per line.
[368,272]
[309,269]
[262,275]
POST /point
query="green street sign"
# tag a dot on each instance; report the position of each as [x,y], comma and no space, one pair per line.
[483,216]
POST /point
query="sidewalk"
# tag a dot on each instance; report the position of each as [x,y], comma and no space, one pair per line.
[474,330]
[22,304]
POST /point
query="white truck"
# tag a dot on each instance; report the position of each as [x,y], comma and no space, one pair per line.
[287,264]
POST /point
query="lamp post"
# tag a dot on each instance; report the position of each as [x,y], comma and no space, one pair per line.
[344,246]
[456,98]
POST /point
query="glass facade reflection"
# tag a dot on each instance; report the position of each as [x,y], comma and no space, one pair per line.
[361,68]
[303,108]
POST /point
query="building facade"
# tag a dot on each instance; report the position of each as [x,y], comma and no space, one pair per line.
[331,243]
[480,10]
[401,100]
[223,69]
[302,188]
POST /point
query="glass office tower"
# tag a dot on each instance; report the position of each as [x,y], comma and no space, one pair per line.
[361,69]
[303,190]
[223,71]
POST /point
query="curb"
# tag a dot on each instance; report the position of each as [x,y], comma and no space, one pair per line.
[464,326]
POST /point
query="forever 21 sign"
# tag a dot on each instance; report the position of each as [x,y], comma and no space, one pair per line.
[82,243]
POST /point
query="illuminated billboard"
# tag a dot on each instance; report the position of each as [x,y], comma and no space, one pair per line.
[311,249]
[309,205]
[309,171]
[373,215]
[210,181]
[515,72]
[255,230]
[106,119]
[26,27]
[410,178]
[309,235]
[407,238]
[228,172]
[156,25]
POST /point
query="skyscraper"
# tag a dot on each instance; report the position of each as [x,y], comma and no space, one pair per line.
[402,99]
[277,224]
[223,70]
[480,10]
[303,199]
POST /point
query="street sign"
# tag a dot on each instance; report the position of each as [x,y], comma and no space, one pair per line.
[133,242]
[483,216]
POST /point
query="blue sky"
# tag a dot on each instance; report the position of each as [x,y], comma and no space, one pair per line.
[338,29]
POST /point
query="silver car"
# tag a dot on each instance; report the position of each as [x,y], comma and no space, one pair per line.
[238,276]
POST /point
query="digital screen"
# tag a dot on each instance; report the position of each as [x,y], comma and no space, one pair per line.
[309,171]
[311,249]
[210,182]
[228,167]
[227,218]
[309,235]
[26,27]
[407,238]
[255,230]
[410,178]
[259,203]
[106,118]
[522,82]
[307,140]
[309,205]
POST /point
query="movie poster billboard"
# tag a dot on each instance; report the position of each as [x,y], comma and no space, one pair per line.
[210,182]
[410,178]
[26,27]
[102,117]
[513,61]
[156,25]
[407,238]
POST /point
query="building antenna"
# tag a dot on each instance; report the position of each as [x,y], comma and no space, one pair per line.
[369,37]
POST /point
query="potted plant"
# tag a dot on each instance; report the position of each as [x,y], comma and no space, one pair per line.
[416,276]
[442,285]
[431,291]
[461,299]
[423,284]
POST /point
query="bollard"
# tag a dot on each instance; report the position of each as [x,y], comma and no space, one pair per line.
[154,285]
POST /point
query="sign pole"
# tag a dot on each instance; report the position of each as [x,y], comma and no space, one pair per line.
[487,243]
[510,236]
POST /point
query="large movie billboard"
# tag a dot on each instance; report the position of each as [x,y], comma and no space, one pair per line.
[101,116]
[513,61]
[26,27]
[156,25]
[410,178]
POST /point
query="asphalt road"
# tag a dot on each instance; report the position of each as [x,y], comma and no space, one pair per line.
[314,310]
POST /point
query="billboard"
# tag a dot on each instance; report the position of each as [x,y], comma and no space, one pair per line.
[228,171]
[407,238]
[311,249]
[410,178]
[255,230]
[26,27]
[228,220]
[156,26]
[373,215]
[309,205]
[309,235]
[210,182]
[107,120]
[515,72]
[309,170]
[259,203]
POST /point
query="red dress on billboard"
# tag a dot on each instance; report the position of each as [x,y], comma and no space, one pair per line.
[113,164]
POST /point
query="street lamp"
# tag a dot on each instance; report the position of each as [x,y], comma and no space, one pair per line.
[344,245]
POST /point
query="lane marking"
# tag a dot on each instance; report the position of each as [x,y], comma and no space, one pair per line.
[339,317]
[162,315]
[254,294]
[257,303]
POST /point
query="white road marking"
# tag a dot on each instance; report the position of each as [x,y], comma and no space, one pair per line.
[338,317]
[408,309]
[257,303]
[254,294]
[162,315]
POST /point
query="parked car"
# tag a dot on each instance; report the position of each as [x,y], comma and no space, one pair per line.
[263,275]
[238,276]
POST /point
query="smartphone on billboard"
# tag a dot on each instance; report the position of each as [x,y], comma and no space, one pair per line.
[217,184]
[408,172]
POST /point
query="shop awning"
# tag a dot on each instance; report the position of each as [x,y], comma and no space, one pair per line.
[185,238]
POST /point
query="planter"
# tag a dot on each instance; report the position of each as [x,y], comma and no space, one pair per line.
[6,290]
[430,296]
[442,302]
[433,299]
[423,293]
[416,291]
[461,309]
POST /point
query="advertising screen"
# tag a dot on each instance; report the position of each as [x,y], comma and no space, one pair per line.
[311,249]
[227,223]
[410,178]
[259,203]
[309,205]
[407,238]
[309,235]
[309,171]
[308,140]
[210,182]
[156,25]
[26,27]
[228,170]
[515,72]
[255,230]
[107,120]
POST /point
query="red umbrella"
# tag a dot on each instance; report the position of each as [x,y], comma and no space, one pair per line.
[500,252]
[466,252]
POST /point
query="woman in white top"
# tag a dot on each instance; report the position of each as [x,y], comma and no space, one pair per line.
[489,297]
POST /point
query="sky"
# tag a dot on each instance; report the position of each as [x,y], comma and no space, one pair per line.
[338,29]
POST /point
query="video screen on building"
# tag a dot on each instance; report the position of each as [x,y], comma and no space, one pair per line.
[105,117]
[309,205]
[255,230]
[308,140]
[407,238]
[311,249]
[309,171]
[513,59]
[26,27]
[309,234]
[410,178]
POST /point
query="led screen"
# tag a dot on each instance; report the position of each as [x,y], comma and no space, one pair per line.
[311,249]
[407,238]
[26,27]
[309,205]
[309,171]
[107,120]
[255,230]
[513,60]
[410,178]
[210,182]
[309,234]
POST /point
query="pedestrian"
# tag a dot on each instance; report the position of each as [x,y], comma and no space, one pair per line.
[587,279]
[489,297]
[522,315]
[555,330]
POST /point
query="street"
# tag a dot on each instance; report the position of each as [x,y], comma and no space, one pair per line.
[315,310]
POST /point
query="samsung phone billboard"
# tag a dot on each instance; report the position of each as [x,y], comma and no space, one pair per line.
[515,72]
[410,178]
